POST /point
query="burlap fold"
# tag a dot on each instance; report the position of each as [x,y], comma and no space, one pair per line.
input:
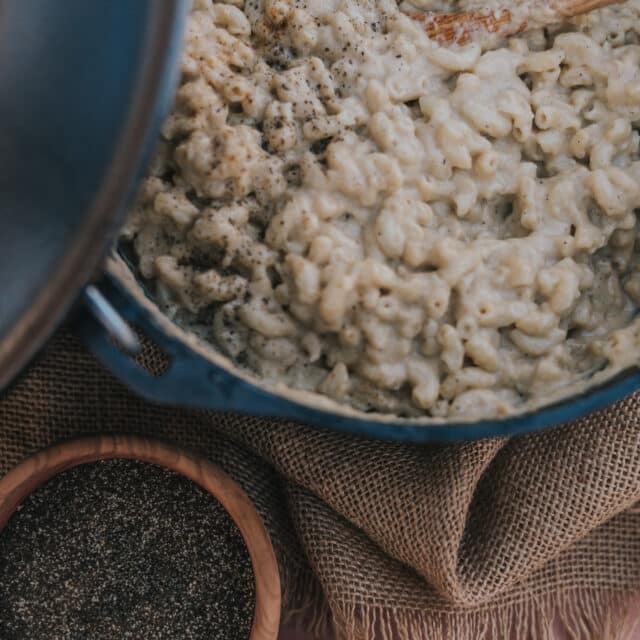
[461,541]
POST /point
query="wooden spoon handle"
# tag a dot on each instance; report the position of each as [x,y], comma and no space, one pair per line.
[458,28]
[571,8]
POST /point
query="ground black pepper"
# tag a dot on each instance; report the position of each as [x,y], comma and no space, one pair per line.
[121,549]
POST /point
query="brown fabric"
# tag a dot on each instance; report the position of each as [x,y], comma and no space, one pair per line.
[404,541]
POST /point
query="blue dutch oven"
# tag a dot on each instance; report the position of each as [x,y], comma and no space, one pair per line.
[82,93]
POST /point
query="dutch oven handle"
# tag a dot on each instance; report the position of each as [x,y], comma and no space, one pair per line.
[190,380]
[104,323]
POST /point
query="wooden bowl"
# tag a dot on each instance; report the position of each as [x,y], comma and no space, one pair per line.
[44,465]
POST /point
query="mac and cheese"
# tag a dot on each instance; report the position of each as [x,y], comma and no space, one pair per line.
[341,205]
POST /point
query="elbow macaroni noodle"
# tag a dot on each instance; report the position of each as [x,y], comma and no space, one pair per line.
[341,205]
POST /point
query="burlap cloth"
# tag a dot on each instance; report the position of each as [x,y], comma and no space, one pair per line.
[398,540]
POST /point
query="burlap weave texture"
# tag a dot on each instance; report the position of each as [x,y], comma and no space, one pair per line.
[403,541]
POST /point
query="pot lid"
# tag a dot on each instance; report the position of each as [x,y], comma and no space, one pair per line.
[83,88]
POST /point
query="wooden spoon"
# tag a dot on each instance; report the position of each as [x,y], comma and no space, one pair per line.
[458,28]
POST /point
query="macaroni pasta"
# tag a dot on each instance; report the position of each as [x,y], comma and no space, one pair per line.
[341,205]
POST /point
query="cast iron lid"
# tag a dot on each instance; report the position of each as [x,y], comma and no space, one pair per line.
[83,88]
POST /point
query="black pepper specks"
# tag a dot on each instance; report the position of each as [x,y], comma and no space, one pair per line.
[123,550]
